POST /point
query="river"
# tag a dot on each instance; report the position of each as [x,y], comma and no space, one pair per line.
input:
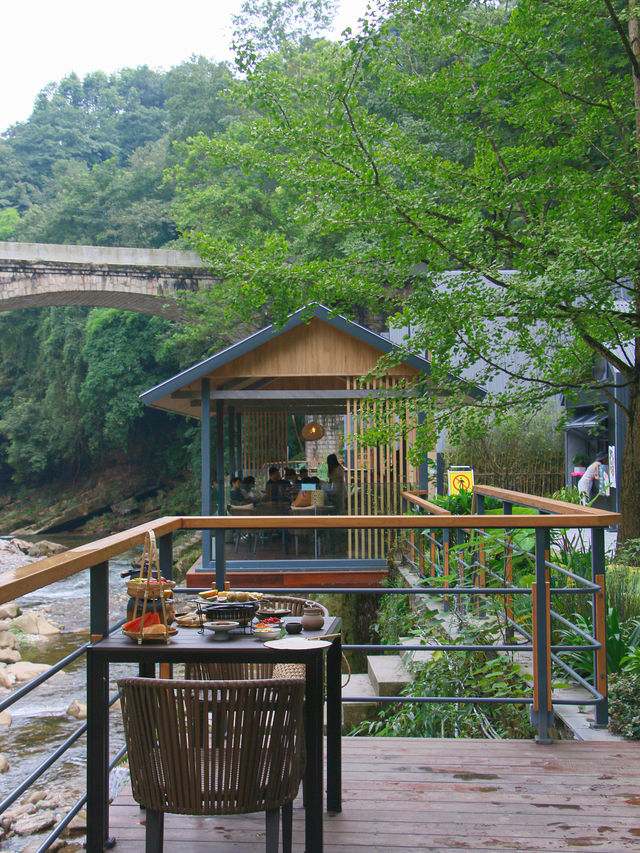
[40,722]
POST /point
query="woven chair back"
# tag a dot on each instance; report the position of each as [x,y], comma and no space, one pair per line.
[213,747]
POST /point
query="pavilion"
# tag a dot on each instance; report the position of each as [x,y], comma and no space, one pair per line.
[320,366]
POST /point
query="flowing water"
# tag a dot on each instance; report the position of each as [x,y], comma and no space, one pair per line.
[40,722]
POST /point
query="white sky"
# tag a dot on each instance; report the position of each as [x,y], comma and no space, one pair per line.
[44,40]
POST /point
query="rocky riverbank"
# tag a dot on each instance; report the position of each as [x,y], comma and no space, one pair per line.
[21,629]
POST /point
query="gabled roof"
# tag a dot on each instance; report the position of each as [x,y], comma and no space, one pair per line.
[251,366]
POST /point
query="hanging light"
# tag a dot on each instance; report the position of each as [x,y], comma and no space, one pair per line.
[312,431]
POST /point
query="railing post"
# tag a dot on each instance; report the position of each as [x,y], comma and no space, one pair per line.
[165,555]
[599,625]
[542,711]
[507,509]
[482,559]
[99,601]
[98,686]
[460,565]
[445,565]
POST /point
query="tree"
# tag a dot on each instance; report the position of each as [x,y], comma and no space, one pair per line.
[470,136]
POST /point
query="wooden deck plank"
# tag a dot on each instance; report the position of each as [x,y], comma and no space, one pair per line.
[403,795]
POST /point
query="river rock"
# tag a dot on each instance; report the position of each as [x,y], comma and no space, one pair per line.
[7,678]
[9,610]
[5,718]
[35,796]
[43,548]
[9,655]
[24,670]
[35,623]
[4,764]
[32,823]
[8,640]
[78,710]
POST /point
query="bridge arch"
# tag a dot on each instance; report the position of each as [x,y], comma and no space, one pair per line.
[36,275]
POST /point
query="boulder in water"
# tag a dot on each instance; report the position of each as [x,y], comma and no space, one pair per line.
[32,823]
[7,678]
[5,718]
[9,655]
[35,623]
[8,640]
[78,710]
[9,610]
[4,764]
[24,670]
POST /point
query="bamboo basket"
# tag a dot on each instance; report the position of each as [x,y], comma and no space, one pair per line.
[146,588]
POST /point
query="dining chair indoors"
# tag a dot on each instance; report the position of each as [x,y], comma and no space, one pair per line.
[245,755]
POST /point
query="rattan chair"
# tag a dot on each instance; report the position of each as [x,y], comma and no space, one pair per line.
[295,605]
[245,755]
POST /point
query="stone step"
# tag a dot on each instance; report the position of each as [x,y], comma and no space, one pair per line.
[355,712]
[388,674]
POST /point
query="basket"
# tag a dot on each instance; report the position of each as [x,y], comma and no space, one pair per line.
[154,588]
[148,588]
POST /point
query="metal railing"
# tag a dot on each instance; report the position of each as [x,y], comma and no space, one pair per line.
[432,562]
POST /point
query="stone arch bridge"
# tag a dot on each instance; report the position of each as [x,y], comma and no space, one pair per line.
[34,275]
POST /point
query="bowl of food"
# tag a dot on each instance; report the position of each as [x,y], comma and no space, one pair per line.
[220,628]
[270,630]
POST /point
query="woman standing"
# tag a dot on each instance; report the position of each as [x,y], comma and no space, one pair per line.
[585,483]
[336,477]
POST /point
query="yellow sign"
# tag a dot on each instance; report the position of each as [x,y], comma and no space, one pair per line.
[460,481]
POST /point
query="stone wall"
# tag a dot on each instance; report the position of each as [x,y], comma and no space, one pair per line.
[331,442]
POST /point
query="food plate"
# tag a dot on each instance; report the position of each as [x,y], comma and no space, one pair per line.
[188,620]
[154,638]
[220,628]
[252,597]
[278,611]
[297,644]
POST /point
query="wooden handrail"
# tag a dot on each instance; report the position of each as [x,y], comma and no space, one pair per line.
[24,579]
[19,581]
[522,498]
[434,509]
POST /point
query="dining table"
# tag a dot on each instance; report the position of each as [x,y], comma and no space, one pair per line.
[193,645]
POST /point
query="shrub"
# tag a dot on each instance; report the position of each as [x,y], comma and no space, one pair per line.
[624,705]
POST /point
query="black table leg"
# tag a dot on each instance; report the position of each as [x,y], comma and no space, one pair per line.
[97,753]
[314,701]
[334,726]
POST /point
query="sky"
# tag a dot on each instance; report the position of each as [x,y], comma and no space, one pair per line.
[44,40]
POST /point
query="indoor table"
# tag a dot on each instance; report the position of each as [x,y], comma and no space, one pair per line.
[187,646]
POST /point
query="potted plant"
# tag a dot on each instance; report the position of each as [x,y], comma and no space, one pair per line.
[580,462]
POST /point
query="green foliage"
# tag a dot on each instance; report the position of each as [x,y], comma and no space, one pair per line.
[459,674]
[497,140]
[123,351]
[624,705]
[9,219]
[621,641]
[569,494]
[519,440]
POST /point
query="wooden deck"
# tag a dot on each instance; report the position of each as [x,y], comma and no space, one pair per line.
[404,794]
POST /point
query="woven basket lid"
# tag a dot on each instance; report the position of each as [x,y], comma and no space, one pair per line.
[312,431]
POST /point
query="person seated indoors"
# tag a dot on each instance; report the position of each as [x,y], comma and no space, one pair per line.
[294,483]
[276,488]
[237,495]
[251,491]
